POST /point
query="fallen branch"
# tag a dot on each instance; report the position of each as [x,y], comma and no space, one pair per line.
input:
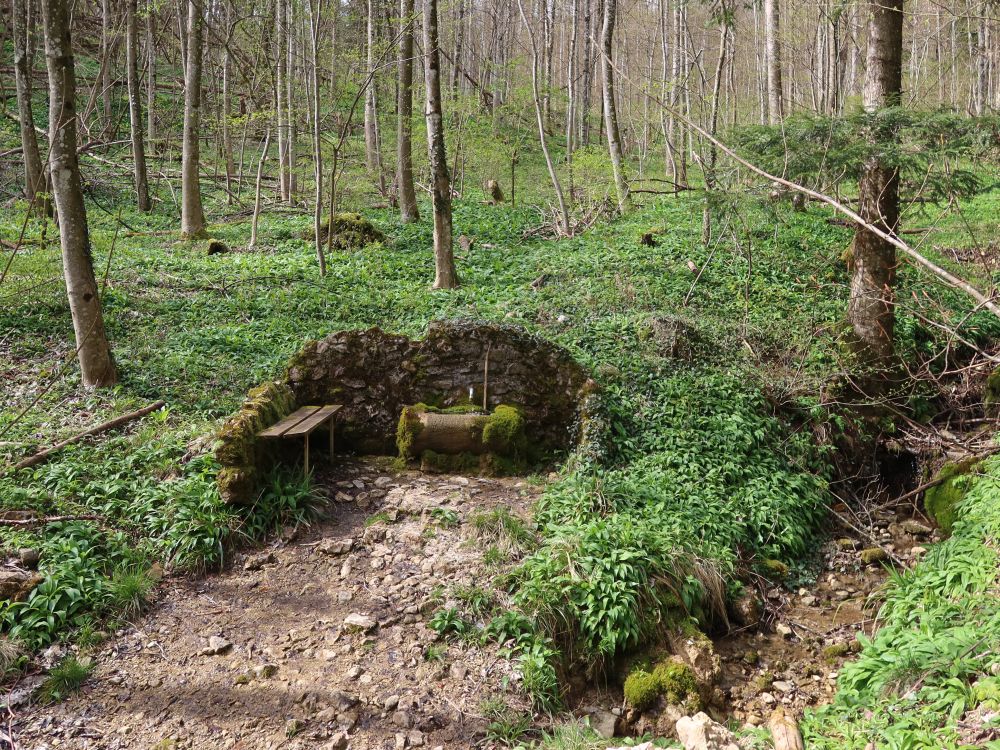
[41,520]
[116,422]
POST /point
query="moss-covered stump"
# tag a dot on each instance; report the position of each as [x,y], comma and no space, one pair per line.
[242,456]
[350,232]
[953,481]
[375,374]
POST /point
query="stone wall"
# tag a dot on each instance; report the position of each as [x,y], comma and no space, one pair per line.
[375,374]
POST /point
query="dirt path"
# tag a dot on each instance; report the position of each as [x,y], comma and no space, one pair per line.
[319,634]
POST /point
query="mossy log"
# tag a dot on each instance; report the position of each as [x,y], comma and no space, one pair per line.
[449,433]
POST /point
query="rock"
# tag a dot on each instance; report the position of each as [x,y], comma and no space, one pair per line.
[217,646]
[337,742]
[402,719]
[265,671]
[782,687]
[390,703]
[699,732]
[873,555]
[915,528]
[29,557]
[15,585]
[335,547]
[783,630]
[257,562]
[358,621]
[415,738]
[603,722]
[847,544]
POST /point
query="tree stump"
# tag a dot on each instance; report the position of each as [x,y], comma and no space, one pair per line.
[494,191]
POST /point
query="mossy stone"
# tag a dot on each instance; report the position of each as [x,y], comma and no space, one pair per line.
[351,231]
[641,689]
[873,555]
[678,684]
[991,394]
[836,651]
[941,500]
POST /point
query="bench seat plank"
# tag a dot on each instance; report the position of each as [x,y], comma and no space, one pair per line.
[281,428]
[313,421]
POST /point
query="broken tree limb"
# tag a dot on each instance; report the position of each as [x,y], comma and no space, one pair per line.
[110,425]
[42,520]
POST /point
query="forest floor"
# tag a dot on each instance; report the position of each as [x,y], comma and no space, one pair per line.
[323,635]
[323,632]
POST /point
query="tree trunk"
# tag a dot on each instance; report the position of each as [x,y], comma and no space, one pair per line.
[373,156]
[34,178]
[445,276]
[227,109]
[610,111]
[556,186]
[135,105]
[192,213]
[104,76]
[772,36]
[404,175]
[151,78]
[713,126]
[873,263]
[97,367]
[281,34]
[315,22]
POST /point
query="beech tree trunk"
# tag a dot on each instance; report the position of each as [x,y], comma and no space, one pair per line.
[373,154]
[610,111]
[34,178]
[135,106]
[192,213]
[281,35]
[404,163]
[772,36]
[97,367]
[151,132]
[873,262]
[445,276]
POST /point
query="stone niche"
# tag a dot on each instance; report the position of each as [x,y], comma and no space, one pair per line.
[375,374]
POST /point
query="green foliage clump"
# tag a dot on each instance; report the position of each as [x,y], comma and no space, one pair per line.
[940,638]
[65,678]
[941,501]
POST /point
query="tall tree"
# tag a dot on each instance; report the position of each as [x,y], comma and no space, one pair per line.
[772,45]
[192,213]
[873,260]
[445,276]
[97,367]
[404,161]
[610,110]
[373,150]
[135,105]
[21,28]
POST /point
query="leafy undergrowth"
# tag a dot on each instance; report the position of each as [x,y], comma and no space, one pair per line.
[930,678]
[695,454]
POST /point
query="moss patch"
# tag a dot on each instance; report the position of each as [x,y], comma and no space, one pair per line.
[503,432]
[350,231]
[408,429]
[670,679]
[641,689]
[940,501]
[238,450]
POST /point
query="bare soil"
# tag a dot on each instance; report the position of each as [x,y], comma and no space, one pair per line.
[292,671]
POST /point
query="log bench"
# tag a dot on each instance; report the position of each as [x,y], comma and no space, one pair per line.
[303,422]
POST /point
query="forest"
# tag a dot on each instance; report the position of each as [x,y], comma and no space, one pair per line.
[536,374]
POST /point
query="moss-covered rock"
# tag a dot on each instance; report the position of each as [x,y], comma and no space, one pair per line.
[774,569]
[238,450]
[678,684]
[350,231]
[641,689]
[953,481]
[991,391]
[873,555]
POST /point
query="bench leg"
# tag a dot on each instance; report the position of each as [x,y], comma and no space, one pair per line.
[331,440]
[307,455]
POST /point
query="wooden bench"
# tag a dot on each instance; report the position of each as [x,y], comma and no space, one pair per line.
[304,421]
